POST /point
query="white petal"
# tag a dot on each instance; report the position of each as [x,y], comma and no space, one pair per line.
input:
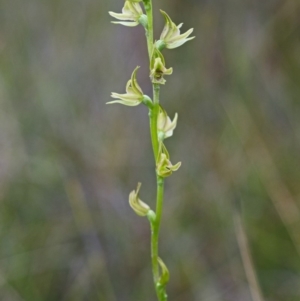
[130,97]
[129,24]
[171,126]
[178,43]
[176,166]
[138,8]
[123,102]
[121,16]
[182,36]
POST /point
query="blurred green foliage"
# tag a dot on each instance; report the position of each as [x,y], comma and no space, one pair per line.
[68,162]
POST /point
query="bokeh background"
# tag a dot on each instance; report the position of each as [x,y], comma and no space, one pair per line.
[231,223]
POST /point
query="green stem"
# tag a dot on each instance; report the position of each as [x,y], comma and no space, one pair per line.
[153,114]
[155,227]
[149,31]
[153,130]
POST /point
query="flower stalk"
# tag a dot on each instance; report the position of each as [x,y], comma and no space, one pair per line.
[161,126]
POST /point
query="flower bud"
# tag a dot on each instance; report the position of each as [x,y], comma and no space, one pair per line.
[165,275]
[132,14]
[170,36]
[165,126]
[139,207]
[158,68]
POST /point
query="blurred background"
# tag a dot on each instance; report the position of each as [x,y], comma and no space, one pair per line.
[231,222]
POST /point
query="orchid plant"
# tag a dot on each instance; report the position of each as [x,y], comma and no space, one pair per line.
[161,125]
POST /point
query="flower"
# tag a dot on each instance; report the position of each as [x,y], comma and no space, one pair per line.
[170,36]
[164,167]
[165,126]
[132,14]
[134,94]
[158,68]
[139,207]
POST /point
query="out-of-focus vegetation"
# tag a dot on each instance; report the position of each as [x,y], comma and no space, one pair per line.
[68,162]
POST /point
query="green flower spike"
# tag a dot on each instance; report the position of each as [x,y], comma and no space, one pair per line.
[139,207]
[165,126]
[170,36]
[134,94]
[164,167]
[158,68]
[132,15]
